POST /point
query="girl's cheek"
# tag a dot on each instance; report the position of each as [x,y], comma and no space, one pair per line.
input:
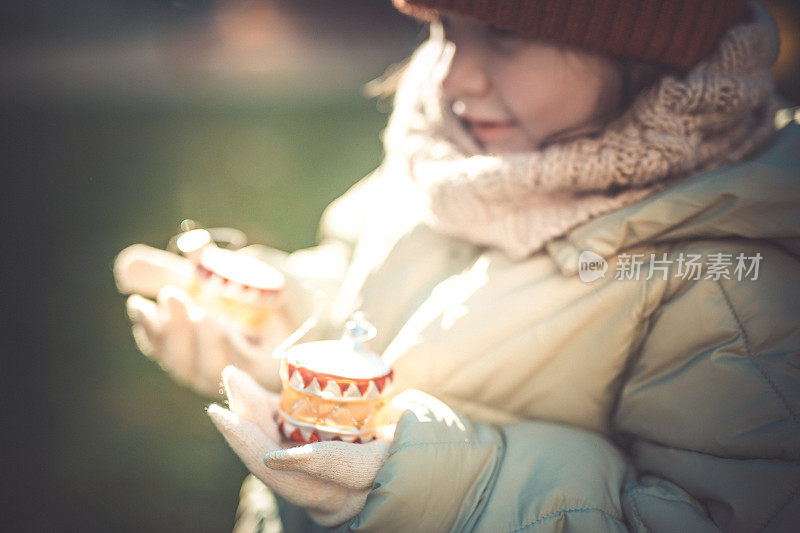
[530,104]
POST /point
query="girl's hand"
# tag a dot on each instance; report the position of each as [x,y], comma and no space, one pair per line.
[144,270]
[193,346]
[331,479]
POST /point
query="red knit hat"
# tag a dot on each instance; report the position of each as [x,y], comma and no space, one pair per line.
[678,33]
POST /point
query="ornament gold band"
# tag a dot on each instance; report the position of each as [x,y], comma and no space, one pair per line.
[250,316]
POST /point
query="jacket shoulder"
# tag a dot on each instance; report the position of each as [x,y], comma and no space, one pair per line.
[762,269]
[721,348]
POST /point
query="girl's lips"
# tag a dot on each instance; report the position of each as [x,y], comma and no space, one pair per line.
[489,131]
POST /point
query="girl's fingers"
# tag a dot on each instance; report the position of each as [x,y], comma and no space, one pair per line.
[251,444]
[179,346]
[213,353]
[250,401]
[353,466]
[144,270]
[143,313]
[246,439]
[351,506]
[254,354]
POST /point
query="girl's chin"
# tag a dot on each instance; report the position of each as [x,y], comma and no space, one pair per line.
[506,144]
[504,148]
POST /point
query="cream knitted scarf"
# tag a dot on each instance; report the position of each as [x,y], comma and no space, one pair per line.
[718,113]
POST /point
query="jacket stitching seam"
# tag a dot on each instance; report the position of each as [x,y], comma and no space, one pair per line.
[634,350]
[751,355]
[566,511]
[489,486]
[636,512]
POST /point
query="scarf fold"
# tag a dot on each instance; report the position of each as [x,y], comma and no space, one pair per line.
[719,113]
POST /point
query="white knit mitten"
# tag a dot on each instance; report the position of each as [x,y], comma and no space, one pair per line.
[192,345]
[331,479]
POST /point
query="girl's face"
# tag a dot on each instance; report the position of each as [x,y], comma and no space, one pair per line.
[516,94]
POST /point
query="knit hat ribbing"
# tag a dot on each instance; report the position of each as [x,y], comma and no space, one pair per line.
[677,33]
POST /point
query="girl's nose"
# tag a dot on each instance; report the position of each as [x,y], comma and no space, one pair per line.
[466,74]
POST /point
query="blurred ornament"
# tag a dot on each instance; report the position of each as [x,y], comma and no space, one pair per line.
[239,287]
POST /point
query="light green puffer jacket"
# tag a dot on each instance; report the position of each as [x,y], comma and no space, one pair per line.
[661,404]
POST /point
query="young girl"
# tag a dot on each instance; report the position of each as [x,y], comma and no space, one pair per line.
[581,255]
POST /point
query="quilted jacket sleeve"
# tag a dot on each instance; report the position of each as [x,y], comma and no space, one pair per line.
[712,403]
[445,473]
[706,436]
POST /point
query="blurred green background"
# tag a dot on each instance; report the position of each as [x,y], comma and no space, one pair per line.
[119,119]
[116,445]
